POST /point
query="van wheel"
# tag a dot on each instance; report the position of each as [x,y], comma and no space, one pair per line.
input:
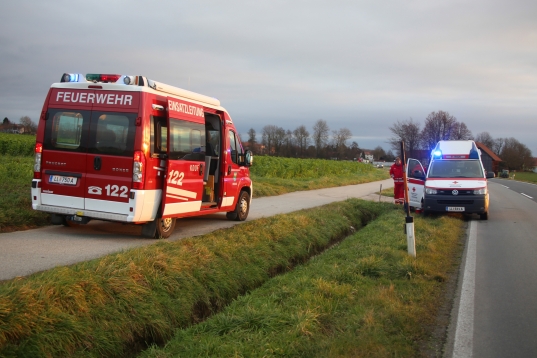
[158,228]
[164,227]
[484,216]
[241,209]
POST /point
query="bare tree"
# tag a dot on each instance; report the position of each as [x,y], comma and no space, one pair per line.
[516,155]
[486,139]
[378,153]
[320,135]
[252,138]
[407,131]
[302,138]
[461,132]
[340,138]
[438,126]
[355,150]
[498,145]
[269,138]
[28,125]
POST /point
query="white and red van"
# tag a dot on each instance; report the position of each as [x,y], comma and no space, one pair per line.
[132,150]
[455,180]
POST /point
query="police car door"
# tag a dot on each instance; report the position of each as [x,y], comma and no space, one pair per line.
[415,176]
[186,158]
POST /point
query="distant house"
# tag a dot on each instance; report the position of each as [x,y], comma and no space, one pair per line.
[368,156]
[12,128]
[490,160]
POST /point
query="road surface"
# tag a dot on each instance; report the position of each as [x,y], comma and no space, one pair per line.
[495,313]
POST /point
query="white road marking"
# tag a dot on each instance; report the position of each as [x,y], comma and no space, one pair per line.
[464,332]
[527,196]
[504,186]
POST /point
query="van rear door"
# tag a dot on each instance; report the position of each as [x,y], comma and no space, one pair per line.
[109,161]
[185,148]
[63,162]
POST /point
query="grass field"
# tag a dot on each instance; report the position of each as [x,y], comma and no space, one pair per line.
[528,177]
[262,288]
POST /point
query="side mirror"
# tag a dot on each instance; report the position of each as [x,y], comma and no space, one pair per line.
[490,175]
[248,158]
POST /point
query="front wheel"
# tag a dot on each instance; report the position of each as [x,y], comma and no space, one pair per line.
[241,209]
[484,216]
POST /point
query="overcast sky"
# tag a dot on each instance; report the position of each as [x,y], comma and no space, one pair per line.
[357,64]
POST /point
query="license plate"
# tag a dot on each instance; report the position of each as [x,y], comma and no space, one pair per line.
[58,179]
[454,208]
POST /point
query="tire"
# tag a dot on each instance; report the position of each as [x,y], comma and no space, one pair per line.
[158,228]
[241,209]
[484,216]
[164,227]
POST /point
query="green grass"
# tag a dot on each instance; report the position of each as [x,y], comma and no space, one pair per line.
[17,144]
[220,294]
[16,213]
[276,176]
[528,177]
[363,298]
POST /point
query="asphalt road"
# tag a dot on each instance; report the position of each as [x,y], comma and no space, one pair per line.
[26,252]
[495,311]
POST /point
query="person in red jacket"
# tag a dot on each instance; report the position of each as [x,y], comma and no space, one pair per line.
[396,172]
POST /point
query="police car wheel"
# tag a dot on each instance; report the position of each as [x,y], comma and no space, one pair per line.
[165,227]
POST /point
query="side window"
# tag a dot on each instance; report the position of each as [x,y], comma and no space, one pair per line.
[113,133]
[185,140]
[415,169]
[159,136]
[63,130]
[235,147]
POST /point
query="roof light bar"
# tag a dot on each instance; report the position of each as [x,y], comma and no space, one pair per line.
[129,80]
[71,77]
[437,154]
[92,77]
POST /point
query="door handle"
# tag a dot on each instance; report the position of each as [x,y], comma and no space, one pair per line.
[228,169]
[97,163]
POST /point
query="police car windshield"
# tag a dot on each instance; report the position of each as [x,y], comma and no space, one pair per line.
[456,169]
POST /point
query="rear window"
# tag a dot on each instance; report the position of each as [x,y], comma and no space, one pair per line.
[112,133]
[64,130]
[94,132]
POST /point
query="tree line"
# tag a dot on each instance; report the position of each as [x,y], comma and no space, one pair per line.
[443,126]
[300,143]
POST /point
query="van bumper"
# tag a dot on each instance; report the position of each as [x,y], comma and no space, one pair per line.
[472,204]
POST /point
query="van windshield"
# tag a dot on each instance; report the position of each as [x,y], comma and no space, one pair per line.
[456,169]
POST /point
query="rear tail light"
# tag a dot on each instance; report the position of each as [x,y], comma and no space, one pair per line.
[37,160]
[138,170]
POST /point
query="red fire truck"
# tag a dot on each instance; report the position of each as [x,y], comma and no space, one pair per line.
[129,149]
